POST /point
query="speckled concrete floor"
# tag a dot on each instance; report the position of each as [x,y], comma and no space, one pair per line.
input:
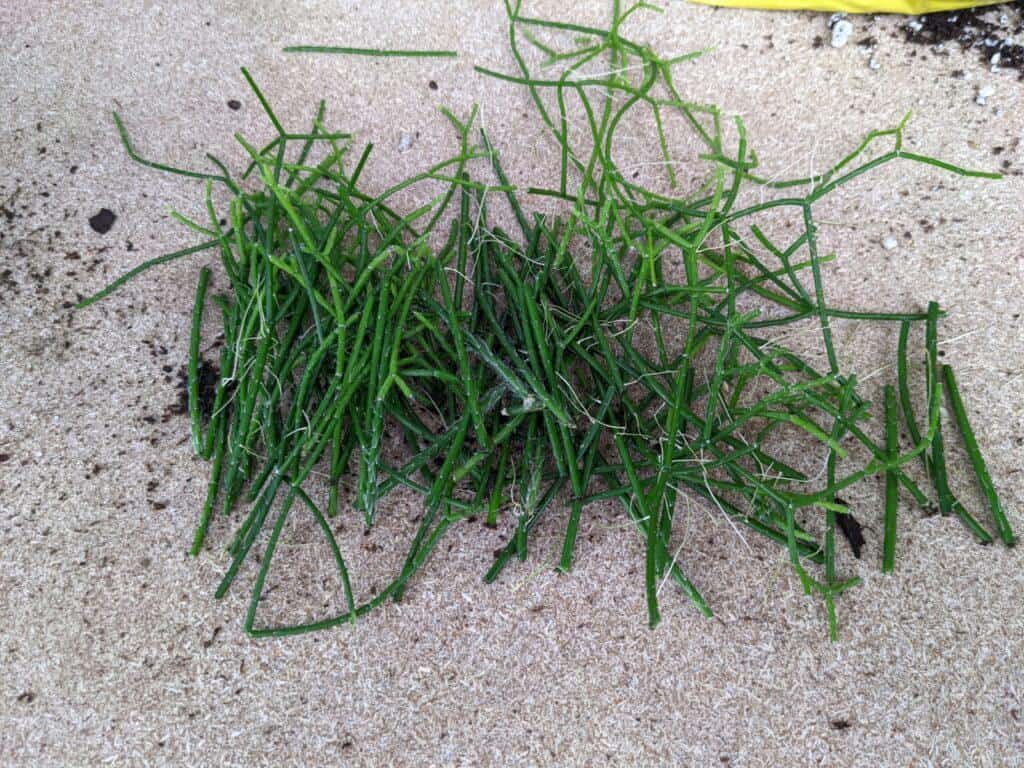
[111,645]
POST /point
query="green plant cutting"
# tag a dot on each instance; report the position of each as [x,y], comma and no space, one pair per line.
[630,349]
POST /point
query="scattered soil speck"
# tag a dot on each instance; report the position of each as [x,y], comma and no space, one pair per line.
[213,637]
[839,725]
[208,375]
[234,104]
[103,221]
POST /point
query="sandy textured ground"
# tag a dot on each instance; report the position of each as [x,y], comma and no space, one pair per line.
[112,648]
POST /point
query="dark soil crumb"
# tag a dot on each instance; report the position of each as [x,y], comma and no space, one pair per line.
[234,104]
[432,85]
[7,209]
[851,530]
[839,725]
[208,375]
[213,637]
[994,33]
[103,221]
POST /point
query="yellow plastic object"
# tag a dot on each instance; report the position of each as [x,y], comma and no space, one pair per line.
[908,7]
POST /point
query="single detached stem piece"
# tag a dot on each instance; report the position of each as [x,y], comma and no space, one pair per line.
[977,460]
[892,450]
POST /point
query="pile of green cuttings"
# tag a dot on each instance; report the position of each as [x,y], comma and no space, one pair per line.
[628,349]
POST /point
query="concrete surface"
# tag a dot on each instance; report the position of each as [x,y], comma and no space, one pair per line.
[112,648]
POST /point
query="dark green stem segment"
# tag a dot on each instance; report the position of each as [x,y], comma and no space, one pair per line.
[378,52]
[892,450]
[194,409]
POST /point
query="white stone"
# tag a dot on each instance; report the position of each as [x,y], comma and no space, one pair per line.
[841,32]
[890,243]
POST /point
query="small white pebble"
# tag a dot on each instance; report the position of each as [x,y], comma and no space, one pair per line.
[983,93]
[841,32]
[405,142]
[890,243]
[873,63]
[915,25]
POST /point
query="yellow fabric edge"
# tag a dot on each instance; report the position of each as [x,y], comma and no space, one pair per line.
[906,7]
